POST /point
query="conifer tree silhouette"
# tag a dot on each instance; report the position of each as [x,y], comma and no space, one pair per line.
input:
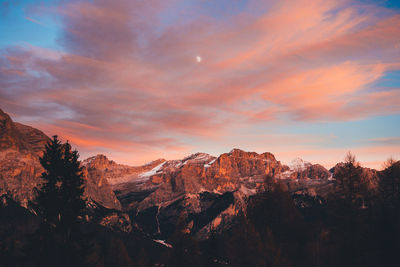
[60,204]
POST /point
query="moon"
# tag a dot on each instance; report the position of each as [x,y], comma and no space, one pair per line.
[198,59]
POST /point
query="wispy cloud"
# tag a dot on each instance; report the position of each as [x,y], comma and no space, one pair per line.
[35,21]
[129,75]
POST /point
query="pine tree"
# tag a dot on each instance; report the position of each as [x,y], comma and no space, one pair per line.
[60,203]
[71,190]
[47,202]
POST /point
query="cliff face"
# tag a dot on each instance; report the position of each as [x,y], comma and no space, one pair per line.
[207,192]
[20,148]
[19,137]
[10,137]
[19,174]
[117,173]
[20,169]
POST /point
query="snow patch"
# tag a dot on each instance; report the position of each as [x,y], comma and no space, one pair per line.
[162,242]
[210,163]
[299,164]
[152,171]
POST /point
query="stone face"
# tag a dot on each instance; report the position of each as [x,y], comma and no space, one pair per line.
[208,192]
[19,174]
[98,189]
[300,169]
[317,171]
[156,198]
[236,170]
[10,137]
[20,169]
[19,137]
[36,140]
[118,173]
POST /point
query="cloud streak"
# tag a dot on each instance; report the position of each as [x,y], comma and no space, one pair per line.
[127,76]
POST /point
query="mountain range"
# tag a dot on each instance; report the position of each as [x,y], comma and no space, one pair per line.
[206,192]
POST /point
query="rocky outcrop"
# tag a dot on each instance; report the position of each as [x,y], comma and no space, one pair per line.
[300,169]
[20,169]
[208,192]
[118,173]
[98,189]
[200,172]
[19,174]
[10,137]
[19,137]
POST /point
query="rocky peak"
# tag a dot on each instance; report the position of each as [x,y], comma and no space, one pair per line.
[317,171]
[155,162]
[10,137]
[20,169]
[99,161]
[301,169]
[19,137]
[299,164]
[238,153]
[198,158]
[35,139]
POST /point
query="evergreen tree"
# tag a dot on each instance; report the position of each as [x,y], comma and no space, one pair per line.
[60,204]
[71,190]
[47,202]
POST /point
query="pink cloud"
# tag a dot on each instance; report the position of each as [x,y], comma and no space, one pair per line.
[127,77]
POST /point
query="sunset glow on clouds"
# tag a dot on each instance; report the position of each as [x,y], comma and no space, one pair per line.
[297,78]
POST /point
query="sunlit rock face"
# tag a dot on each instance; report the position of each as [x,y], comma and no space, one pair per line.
[20,148]
[209,192]
[118,173]
[19,174]
[19,137]
[10,137]
[300,169]
[205,191]
[200,172]
[20,169]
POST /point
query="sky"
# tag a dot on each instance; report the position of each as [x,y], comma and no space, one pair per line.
[139,80]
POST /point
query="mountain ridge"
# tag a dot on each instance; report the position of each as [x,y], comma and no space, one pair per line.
[208,192]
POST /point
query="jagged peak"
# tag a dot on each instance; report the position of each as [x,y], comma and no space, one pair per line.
[4,116]
[299,163]
[237,150]
[198,156]
[98,156]
[98,159]
[155,162]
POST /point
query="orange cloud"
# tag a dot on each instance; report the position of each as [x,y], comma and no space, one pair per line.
[128,75]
